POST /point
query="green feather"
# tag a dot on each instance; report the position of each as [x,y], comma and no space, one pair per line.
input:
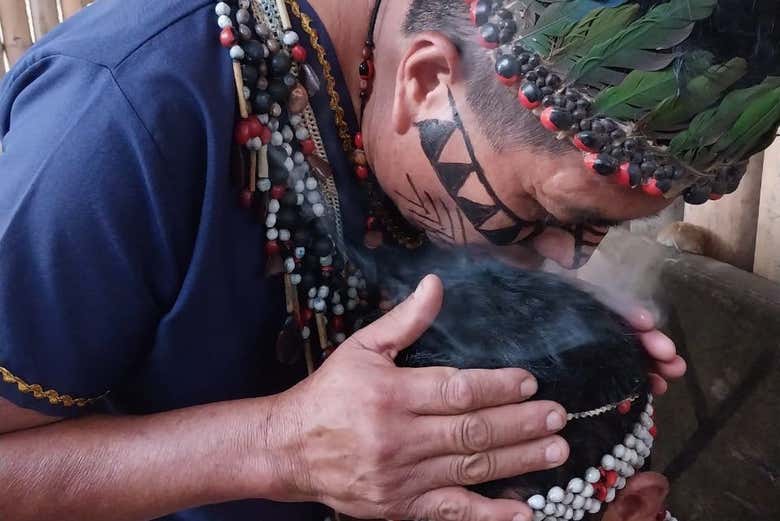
[759,118]
[637,46]
[696,95]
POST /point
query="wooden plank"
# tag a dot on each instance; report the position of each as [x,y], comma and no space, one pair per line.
[16,31]
[71,7]
[44,16]
[768,236]
[733,220]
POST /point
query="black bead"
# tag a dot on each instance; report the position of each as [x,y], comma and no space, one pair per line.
[525,69]
[532,76]
[617,134]
[542,71]
[505,36]
[630,144]
[279,91]
[546,91]
[308,280]
[505,14]
[531,92]
[548,101]
[634,175]
[580,114]
[262,102]
[278,175]
[507,66]
[364,69]
[251,75]
[586,124]
[570,106]
[534,60]
[664,185]
[583,104]
[322,247]
[483,11]
[254,51]
[648,167]
[589,139]
[541,82]
[489,33]
[522,55]
[287,218]
[605,165]
[562,119]
[290,199]
[281,63]
[553,81]
[301,237]
[598,126]
[277,156]
[697,194]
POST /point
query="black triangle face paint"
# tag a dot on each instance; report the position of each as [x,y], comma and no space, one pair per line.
[478,214]
[454,175]
[434,135]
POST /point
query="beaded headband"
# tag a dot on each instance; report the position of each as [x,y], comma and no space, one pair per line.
[600,485]
[644,112]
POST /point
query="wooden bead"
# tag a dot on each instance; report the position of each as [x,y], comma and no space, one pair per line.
[299,99]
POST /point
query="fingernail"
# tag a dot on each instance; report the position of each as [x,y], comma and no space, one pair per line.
[529,387]
[555,421]
[553,453]
[420,287]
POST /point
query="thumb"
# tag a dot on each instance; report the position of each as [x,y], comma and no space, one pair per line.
[405,323]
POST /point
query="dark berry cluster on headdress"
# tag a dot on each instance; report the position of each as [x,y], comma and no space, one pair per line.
[611,148]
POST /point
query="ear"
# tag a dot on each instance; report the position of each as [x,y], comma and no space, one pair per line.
[642,499]
[425,72]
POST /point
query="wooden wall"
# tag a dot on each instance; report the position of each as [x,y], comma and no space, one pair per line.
[746,225]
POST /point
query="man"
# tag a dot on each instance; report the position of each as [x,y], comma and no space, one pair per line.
[133,285]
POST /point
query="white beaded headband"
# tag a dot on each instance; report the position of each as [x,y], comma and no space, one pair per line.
[600,485]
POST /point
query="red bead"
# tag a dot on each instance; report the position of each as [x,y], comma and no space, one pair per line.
[298,53]
[272,248]
[473,12]
[653,431]
[546,121]
[525,102]
[590,160]
[361,172]
[246,199]
[507,81]
[610,478]
[716,197]
[600,491]
[307,147]
[243,132]
[227,38]
[278,191]
[650,188]
[255,127]
[359,141]
[337,323]
[582,146]
[307,314]
[625,406]
[371,223]
[265,135]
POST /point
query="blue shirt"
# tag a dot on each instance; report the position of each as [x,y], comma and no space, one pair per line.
[128,272]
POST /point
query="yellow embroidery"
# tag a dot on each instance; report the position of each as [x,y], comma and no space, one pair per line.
[335,99]
[39,393]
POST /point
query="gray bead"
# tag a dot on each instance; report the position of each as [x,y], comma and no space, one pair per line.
[290,38]
[536,502]
[263,31]
[222,9]
[245,32]
[243,16]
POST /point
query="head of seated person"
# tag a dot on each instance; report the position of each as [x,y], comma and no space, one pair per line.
[585,357]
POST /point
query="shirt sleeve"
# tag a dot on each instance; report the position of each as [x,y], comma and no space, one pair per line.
[87,263]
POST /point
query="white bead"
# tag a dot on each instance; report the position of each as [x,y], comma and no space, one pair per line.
[539,516]
[587,492]
[351,305]
[289,264]
[273,125]
[224,21]
[243,4]
[578,515]
[242,15]
[299,199]
[608,462]
[340,338]
[323,292]
[592,475]
[588,504]
[569,514]
[630,441]
[619,451]
[298,158]
[256,143]
[352,281]
[312,292]
[336,298]
[300,252]
[311,183]
[264,185]
[274,206]
[646,420]
[305,332]
[556,495]
[290,38]
[314,197]
[621,483]
[318,209]
[296,120]
[649,410]
[289,164]
[301,133]
[222,9]
[276,110]
[237,53]
[326,261]
[630,471]
[549,509]
[595,507]
[537,502]
[560,510]
[264,119]
[272,234]
[277,139]
[319,305]
[247,92]
[284,235]
[578,502]
[611,495]
[352,293]
[299,186]
[640,462]
[568,498]
[287,133]
[270,220]
[338,310]
[576,485]
[295,279]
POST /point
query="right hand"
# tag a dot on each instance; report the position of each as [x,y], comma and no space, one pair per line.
[378,441]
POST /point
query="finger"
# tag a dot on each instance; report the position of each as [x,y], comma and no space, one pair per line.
[671,370]
[658,385]
[446,391]
[405,323]
[504,462]
[459,504]
[658,346]
[487,429]
[639,317]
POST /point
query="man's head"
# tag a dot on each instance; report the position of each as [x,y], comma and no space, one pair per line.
[583,355]
[464,160]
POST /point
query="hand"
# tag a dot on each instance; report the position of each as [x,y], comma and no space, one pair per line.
[378,441]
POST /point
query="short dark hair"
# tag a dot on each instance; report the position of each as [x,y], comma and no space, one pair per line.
[583,355]
[503,120]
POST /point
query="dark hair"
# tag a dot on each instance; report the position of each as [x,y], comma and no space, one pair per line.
[737,28]
[583,355]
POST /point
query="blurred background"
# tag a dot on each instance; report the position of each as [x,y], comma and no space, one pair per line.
[712,273]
